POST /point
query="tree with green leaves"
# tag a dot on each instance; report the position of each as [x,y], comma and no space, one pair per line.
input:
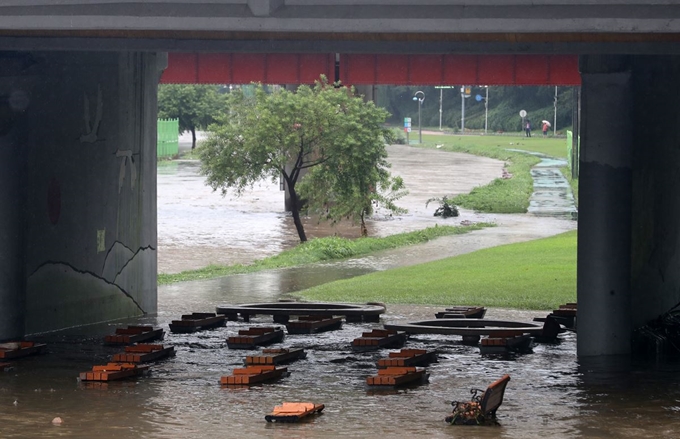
[325,131]
[196,106]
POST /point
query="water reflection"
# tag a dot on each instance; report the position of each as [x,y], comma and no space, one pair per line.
[551,394]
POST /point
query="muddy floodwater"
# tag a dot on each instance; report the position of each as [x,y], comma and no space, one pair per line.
[551,393]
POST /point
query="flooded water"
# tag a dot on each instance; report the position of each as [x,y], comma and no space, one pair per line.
[197,227]
[550,394]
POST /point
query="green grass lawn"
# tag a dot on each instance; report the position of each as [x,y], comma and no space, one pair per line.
[538,274]
[322,249]
[554,147]
[501,195]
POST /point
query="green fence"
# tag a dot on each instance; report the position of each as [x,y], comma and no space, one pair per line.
[168,137]
[572,160]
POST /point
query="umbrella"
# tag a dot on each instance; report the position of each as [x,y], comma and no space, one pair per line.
[546,122]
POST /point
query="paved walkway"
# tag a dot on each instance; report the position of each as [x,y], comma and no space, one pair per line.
[552,193]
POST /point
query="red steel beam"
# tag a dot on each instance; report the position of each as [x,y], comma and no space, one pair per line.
[363,69]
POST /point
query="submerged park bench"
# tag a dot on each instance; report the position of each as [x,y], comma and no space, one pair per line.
[19,349]
[293,411]
[482,409]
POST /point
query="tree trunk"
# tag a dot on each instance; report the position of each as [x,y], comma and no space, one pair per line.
[193,138]
[296,212]
[364,229]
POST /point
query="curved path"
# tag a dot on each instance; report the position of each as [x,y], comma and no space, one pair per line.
[198,227]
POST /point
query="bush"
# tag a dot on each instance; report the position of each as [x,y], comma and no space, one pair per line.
[446,209]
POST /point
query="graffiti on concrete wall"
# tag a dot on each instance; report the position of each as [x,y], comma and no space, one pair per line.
[128,158]
[92,127]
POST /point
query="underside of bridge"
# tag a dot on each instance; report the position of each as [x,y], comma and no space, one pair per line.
[78,86]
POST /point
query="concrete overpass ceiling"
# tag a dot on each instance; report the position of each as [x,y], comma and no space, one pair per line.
[344,26]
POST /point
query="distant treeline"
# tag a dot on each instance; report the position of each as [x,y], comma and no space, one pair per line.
[505,104]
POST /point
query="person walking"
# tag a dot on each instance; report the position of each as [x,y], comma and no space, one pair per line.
[527,129]
[545,129]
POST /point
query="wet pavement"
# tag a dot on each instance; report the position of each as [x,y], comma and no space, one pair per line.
[552,193]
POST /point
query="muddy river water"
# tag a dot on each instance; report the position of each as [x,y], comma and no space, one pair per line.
[551,393]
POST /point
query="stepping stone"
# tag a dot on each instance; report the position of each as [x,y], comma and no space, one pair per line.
[276,356]
[134,334]
[396,376]
[379,338]
[254,375]
[197,321]
[143,353]
[313,324]
[249,338]
[113,371]
[408,357]
[19,349]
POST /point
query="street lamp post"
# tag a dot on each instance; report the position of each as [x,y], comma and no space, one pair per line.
[486,109]
[420,97]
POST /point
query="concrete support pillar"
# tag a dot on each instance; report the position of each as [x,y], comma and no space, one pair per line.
[11,238]
[90,204]
[604,232]
[655,273]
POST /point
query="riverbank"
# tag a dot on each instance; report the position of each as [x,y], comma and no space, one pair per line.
[198,227]
[323,249]
[534,275]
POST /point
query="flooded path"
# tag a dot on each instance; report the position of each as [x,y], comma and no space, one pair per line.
[197,227]
[550,394]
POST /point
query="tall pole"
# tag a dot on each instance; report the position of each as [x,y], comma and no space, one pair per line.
[420,97]
[441,96]
[462,110]
[486,110]
[420,128]
[555,118]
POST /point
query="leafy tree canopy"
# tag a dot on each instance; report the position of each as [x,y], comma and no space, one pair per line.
[336,137]
[196,106]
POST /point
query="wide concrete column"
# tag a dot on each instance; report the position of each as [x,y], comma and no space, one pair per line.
[604,229]
[11,231]
[90,247]
[655,276]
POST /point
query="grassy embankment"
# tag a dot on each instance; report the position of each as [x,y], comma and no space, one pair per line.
[533,275]
[503,196]
[538,274]
[322,249]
